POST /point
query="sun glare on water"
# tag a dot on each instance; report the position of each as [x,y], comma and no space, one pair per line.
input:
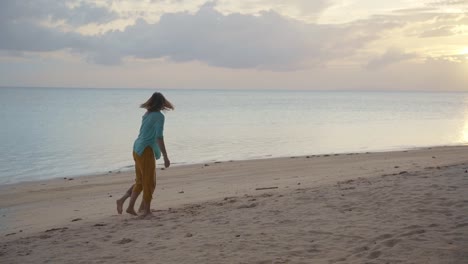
[464,51]
[464,132]
[464,138]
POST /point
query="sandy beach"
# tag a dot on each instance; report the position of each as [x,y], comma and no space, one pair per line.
[385,207]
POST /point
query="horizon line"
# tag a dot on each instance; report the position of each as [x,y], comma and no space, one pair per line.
[233,89]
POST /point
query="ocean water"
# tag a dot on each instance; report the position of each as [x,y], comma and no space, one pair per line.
[47,132]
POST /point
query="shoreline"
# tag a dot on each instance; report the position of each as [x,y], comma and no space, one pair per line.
[182,173]
[129,168]
[358,206]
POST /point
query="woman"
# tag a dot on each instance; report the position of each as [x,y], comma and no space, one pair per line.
[148,146]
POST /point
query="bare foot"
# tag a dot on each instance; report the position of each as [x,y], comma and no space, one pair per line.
[142,207]
[146,216]
[131,211]
[119,206]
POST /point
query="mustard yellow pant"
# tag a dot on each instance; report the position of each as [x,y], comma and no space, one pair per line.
[145,169]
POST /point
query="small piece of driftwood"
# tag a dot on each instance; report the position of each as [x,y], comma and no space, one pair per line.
[266,188]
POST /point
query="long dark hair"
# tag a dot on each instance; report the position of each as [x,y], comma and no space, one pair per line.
[157,102]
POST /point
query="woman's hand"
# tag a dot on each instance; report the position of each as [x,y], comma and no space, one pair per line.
[162,146]
[167,162]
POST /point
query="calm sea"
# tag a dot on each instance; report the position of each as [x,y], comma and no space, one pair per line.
[47,133]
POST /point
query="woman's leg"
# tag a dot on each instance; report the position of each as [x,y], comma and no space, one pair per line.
[137,187]
[120,202]
[131,204]
[148,179]
[142,206]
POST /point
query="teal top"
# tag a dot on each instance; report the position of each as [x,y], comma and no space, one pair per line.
[152,126]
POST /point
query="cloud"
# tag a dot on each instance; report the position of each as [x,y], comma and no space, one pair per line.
[297,7]
[440,25]
[232,41]
[22,24]
[429,22]
[438,32]
[292,8]
[391,56]
[265,41]
[414,10]
[72,12]
[457,58]
[448,3]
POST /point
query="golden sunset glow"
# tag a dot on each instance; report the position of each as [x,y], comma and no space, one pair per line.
[464,51]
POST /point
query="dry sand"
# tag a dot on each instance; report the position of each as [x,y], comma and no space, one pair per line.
[388,207]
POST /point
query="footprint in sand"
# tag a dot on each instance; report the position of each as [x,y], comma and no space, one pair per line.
[391,242]
[264,262]
[108,257]
[413,227]
[361,249]
[415,232]
[252,205]
[62,229]
[384,236]
[286,222]
[374,255]
[123,241]
[461,225]
[106,238]
[340,260]
[313,250]
[25,252]
[230,199]
[44,236]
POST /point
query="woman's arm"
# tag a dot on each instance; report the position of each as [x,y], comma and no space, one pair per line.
[162,147]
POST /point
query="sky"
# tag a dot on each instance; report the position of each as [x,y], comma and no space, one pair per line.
[398,45]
